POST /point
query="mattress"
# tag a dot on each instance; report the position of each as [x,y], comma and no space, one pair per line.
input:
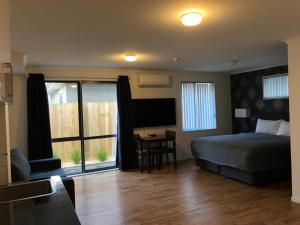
[251,152]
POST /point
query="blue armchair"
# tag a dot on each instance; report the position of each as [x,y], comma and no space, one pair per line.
[24,170]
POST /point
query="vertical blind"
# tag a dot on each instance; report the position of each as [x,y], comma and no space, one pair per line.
[275,87]
[198,106]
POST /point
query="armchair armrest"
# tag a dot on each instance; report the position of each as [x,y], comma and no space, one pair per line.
[70,188]
[45,164]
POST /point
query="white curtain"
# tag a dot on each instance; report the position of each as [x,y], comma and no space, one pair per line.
[275,87]
[198,106]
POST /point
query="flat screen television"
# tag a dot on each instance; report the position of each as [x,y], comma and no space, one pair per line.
[154,112]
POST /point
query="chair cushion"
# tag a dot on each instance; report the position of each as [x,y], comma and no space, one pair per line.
[47,164]
[20,168]
[38,176]
[47,174]
[57,172]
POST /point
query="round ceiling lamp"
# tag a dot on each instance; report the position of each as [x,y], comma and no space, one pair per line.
[130,57]
[232,62]
[176,59]
[191,17]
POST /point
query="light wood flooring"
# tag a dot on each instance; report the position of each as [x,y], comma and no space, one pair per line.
[186,196]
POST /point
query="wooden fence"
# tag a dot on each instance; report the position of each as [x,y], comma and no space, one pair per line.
[100,118]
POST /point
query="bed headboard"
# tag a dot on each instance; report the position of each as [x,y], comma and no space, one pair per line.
[247,92]
[274,115]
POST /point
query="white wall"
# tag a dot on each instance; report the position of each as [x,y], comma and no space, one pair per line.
[294,91]
[18,115]
[5,56]
[18,110]
[222,95]
[4,31]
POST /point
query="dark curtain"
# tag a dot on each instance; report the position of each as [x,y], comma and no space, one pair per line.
[39,134]
[126,155]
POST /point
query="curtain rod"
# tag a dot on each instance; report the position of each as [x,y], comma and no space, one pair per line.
[80,79]
[276,75]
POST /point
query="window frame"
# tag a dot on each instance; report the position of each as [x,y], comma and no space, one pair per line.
[215,99]
[82,138]
[274,75]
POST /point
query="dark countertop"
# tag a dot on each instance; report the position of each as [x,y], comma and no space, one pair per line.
[55,209]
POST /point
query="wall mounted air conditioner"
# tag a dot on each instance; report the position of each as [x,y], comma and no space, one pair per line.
[154,80]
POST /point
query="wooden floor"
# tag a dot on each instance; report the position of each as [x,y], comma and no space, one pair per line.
[186,196]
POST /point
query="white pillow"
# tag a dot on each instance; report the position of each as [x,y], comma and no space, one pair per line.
[284,128]
[267,126]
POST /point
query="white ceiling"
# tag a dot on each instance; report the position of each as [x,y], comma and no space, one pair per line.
[95,33]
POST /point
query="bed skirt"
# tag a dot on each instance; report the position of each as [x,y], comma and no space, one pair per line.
[252,178]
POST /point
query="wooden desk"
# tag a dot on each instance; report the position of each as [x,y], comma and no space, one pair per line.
[148,141]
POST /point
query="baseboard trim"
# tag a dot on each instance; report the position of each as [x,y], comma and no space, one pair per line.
[295,199]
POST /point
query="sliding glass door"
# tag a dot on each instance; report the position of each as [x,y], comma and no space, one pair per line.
[100,124]
[83,118]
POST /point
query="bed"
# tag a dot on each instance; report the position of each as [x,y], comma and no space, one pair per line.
[253,158]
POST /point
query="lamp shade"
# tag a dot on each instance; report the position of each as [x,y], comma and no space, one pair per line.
[242,113]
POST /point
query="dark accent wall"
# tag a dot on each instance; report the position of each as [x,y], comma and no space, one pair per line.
[247,92]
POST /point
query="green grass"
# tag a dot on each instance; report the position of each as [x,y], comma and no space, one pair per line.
[55,153]
[76,156]
[102,155]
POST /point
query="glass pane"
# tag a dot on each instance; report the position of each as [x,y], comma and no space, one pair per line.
[275,87]
[70,154]
[198,106]
[99,109]
[63,109]
[100,153]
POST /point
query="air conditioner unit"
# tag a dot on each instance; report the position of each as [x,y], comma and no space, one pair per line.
[154,80]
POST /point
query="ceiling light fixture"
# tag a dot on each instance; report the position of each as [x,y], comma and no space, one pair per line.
[191,17]
[232,62]
[130,57]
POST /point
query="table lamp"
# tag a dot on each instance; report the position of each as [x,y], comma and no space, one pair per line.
[242,114]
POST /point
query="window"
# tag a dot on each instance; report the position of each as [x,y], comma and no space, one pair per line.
[198,106]
[275,87]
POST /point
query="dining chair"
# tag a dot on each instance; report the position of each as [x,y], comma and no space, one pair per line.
[142,151]
[170,146]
